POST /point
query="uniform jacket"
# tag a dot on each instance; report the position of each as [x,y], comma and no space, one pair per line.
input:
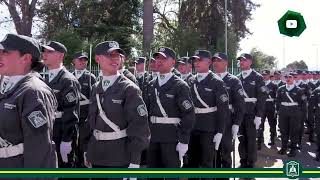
[27,112]
[314,103]
[176,100]
[214,93]
[143,84]
[86,81]
[254,86]
[271,94]
[236,97]
[67,90]
[297,95]
[130,76]
[124,106]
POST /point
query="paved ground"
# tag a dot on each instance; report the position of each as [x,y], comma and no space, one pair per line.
[269,158]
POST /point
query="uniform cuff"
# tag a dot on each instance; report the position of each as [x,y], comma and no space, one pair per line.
[135,157]
[183,139]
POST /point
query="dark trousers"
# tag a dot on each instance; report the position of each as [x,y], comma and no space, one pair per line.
[84,129]
[57,138]
[317,128]
[163,155]
[247,138]
[224,159]
[272,120]
[302,120]
[201,149]
[289,118]
[311,121]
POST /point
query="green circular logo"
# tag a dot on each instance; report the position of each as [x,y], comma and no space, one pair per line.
[291,24]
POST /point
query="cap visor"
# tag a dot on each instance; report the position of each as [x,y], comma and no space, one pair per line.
[116,49]
[47,47]
[238,58]
[161,53]
[4,47]
[195,57]
[83,57]
[218,57]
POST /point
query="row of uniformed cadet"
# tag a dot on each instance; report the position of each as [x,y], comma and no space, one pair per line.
[209,130]
[304,109]
[201,115]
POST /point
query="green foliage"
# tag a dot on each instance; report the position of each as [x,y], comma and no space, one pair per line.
[262,60]
[297,65]
[199,24]
[93,20]
[71,40]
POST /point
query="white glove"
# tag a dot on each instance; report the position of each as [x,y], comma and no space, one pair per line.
[217,139]
[65,149]
[132,166]
[86,162]
[257,122]
[235,130]
[182,149]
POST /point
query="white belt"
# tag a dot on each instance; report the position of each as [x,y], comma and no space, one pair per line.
[84,102]
[289,103]
[11,151]
[164,120]
[58,114]
[107,136]
[270,100]
[205,110]
[250,100]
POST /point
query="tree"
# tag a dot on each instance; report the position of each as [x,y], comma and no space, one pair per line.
[297,65]
[94,20]
[72,41]
[199,24]
[262,60]
[22,13]
[147,25]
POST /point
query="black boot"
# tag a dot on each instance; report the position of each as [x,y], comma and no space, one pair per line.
[271,143]
[243,163]
[282,151]
[259,146]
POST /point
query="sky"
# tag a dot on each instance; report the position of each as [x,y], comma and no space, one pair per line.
[267,38]
[265,33]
